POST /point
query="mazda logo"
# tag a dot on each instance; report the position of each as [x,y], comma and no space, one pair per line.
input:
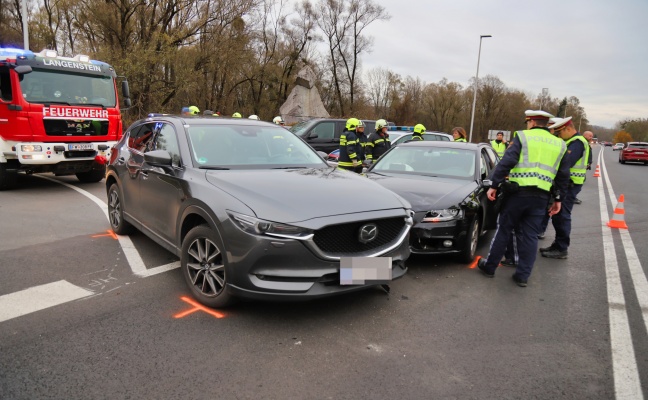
[368,233]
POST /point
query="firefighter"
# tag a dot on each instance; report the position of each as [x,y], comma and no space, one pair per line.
[499,145]
[534,162]
[577,157]
[362,145]
[254,116]
[459,134]
[189,111]
[349,147]
[278,120]
[236,115]
[378,142]
[419,129]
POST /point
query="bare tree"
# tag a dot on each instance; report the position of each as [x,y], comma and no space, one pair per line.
[343,23]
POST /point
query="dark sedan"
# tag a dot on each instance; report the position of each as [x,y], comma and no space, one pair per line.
[253,211]
[446,184]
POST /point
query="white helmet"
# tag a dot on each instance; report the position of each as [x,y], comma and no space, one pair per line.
[278,120]
[254,116]
[381,123]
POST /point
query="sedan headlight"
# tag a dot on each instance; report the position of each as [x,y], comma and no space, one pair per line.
[258,226]
[446,214]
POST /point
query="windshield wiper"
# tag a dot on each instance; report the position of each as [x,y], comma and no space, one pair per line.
[94,104]
[47,103]
[289,167]
[213,167]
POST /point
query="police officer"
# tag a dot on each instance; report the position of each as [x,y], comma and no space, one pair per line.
[349,158]
[499,145]
[577,158]
[588,135]
[419,129]
[545,220]
[533,163]
[459,134]
[378,142]
[278,120]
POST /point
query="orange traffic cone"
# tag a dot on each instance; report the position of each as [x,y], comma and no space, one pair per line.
[618,219]
[597,173]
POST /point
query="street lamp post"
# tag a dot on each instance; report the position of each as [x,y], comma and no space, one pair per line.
[545,91]
[472,117]
[24,24]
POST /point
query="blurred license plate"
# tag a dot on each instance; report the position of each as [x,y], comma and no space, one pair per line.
[365,270]
[80,146]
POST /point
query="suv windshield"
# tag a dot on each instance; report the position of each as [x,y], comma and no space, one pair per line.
[299,128]
[250,146]
[45,86]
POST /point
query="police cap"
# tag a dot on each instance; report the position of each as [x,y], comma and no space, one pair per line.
[537,114]
[561,122]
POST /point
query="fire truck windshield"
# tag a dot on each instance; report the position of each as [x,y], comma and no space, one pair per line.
[56,87]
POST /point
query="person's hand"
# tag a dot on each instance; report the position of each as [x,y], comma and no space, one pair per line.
[355,163]
[492,194]
[555,209]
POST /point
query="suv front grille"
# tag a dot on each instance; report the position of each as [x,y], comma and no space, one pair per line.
[344,239]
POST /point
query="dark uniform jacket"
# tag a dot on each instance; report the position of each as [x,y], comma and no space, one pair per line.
[348,147]
[377,145]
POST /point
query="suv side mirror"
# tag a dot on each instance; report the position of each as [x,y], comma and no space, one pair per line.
[158,158]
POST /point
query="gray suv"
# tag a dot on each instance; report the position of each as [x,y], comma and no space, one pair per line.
[252,211]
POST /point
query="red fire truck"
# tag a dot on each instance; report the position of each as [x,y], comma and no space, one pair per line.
[57,114]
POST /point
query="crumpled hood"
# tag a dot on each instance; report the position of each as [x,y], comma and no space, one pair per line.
[294,195]
[427,193]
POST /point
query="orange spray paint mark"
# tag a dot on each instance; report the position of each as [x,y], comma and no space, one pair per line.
[110,233]
[474,263]
[197,307]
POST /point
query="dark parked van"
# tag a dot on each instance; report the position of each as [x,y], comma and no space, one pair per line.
[323,134]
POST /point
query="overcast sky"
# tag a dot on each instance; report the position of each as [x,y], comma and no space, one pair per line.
[596,50]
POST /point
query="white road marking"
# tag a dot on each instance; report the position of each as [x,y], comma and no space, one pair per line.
[624,364]
[38,298]
[132,255]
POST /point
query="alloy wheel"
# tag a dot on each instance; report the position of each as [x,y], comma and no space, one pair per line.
[205,267]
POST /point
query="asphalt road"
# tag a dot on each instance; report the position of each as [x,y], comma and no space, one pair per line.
[444,331]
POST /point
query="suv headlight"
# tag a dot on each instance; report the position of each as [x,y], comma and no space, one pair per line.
[258,226]
[446,214]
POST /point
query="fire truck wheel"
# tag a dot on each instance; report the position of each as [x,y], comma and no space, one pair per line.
[92,176]
[116,212]
[8,178]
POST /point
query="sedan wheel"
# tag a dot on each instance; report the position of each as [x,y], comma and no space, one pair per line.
[470,247]
[116,212]
[203,267]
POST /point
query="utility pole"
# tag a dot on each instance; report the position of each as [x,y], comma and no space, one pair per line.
[472,118]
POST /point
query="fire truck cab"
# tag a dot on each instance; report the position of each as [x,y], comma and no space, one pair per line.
[57,114]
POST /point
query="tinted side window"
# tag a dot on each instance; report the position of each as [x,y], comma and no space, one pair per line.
[167,140]
[324,130]
[493,160]
[5,84]
[141,137]
[483,166]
